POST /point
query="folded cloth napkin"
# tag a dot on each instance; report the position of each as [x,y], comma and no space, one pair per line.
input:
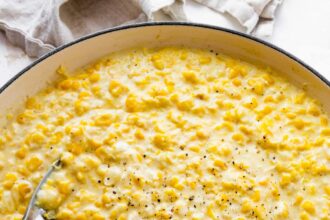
[38,26]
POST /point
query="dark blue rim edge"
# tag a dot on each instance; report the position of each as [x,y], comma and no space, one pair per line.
[14,78]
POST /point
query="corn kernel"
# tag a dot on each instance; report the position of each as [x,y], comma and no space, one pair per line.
[220,164]
[190,76]
[308,206]
[34,163]
[161,141]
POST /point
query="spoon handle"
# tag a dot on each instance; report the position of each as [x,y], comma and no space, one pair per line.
[34,212]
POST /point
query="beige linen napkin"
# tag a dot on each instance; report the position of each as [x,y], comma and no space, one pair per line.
[38,26]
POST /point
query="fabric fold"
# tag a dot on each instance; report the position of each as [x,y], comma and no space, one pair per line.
[38,26]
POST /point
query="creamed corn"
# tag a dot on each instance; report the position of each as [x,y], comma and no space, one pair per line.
[170,133]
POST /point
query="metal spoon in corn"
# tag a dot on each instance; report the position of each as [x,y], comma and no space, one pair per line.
[33,212]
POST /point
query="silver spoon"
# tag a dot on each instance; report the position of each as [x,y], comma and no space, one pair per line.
[33,212]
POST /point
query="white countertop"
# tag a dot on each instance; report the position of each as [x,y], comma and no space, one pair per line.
[302,28]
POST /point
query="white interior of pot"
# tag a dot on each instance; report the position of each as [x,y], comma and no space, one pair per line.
[91,49]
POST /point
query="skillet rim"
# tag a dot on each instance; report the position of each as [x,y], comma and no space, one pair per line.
[165,23]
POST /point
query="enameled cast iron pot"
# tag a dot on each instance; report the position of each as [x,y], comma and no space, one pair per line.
[87,49]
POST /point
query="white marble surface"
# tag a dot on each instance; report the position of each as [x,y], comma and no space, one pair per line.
[302,28]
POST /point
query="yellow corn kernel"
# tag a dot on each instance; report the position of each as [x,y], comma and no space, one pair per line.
[291,115]
[158,64]
[84,94]
[133,104]
[36,138]
[20,209]
[67,158]
[61,70]
[228,125]
[75,148]
[179,186]
[299,123]
[123,216]
[285,179]
[264,111]
[80,216]
[9,181]
[96,90]
[82,75]
[232,115]
[171,195]
[116,88]
[64,187]
[256,196]
[246,206]
[308,206]
[93,143]
[75,85]
[314,110]
[65,84]
[92,161]
[238,137]
[281,167]
[173,181]
[192,184]
[327,190]
[228,185]
[22,169]
[117,210]
[220,164]
[74,205]
[22,152]
[275,191]
[104,120]
[268,78]
[185,105]
[190,76]
[311,189]
[213,149]
[80,107]
[98,216]
[205,60]
[81,177]
[201,134]
[2,141]
[183,55]
[237,71]
[24,117]
[264,182]
[299,98]
[225,151]
[94,77]
[31,103]
[161,141]
[325,131]
[195,148]
[24,189]
[106,198]
[245,130]
[139,134]
[237,82]
[257,86]
[210,213]
[269,98]
[324,120]
[304,216]
[34,163]
[252,103]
